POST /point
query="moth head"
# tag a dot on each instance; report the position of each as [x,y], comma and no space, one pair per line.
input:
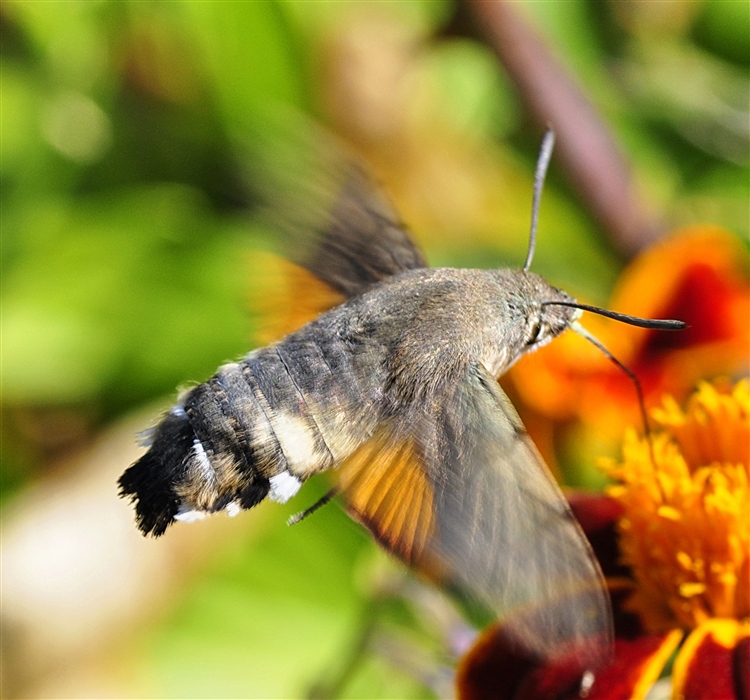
[546,321]
[526,319]
[535,323]
[548,311]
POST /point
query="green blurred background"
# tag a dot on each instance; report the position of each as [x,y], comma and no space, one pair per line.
[128,231]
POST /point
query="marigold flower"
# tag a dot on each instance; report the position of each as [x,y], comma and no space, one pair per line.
[679,516]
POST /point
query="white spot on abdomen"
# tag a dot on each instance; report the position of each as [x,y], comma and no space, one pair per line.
[283,486]
[186,514]
[297,441]
[203,461]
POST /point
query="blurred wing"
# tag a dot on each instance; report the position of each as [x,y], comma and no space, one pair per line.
[335,228]
[334,221]
[387,489]
[462,495]
[284,297]
[361,241]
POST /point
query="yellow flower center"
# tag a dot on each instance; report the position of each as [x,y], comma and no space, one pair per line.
[685,530]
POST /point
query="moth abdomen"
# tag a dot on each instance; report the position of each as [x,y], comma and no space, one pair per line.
[223,472]
[248,432]
[284,399]
[204,457]
[150,482]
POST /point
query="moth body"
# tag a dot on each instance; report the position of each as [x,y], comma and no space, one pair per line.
[262,426]
[392,389]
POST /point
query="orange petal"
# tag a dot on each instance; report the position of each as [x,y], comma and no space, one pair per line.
[714,662]
[697,275]
[649,283]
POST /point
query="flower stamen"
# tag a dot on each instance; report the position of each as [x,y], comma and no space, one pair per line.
[685,532]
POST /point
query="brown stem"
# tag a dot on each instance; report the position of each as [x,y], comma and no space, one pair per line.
[586,148]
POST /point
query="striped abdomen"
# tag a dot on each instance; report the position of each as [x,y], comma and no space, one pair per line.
[258,427]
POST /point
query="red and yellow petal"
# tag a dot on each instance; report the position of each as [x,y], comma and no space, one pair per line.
[637,665]
[493,670]
[496,669]
[714,662]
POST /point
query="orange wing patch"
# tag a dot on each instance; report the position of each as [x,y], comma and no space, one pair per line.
[387,490]
[285,296]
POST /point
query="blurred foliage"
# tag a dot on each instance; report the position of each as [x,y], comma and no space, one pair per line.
[125,225]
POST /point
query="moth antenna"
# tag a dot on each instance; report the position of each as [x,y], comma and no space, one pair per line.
[578,328]
[542,163]
[657,324]
[294,519]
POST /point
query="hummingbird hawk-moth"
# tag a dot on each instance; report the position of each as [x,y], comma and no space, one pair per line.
[395,390]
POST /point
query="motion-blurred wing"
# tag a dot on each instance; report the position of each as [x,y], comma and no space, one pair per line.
[284,296]
[334,221]
[388,489]
[361,241]
[461,494]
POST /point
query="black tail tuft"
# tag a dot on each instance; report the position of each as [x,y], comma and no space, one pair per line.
[150,482]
